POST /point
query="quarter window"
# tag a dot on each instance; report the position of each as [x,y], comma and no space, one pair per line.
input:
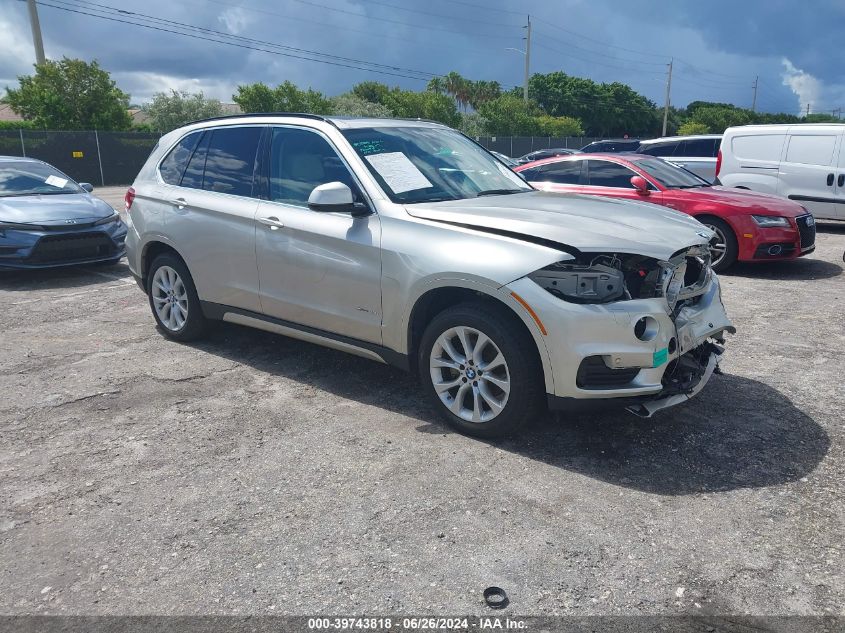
[230,164]
[301,160]
[606,174]
[173,166]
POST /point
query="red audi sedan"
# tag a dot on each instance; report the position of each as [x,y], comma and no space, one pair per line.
[749,226]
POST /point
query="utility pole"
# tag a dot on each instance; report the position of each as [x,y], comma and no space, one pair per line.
[754,100]
[808,109]
[36,32]
[668,89]
[527,59]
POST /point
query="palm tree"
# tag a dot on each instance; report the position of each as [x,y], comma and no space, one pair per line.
[437,85]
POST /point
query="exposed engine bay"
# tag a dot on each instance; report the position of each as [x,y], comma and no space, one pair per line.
[607,277]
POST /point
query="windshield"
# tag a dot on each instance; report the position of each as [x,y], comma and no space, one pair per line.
[422,164]
[670,175]
[25,178]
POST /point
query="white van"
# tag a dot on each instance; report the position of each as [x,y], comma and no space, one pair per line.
[804,162]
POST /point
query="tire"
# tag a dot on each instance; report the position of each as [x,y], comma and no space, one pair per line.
[519,402]
[169,283]
[724,236]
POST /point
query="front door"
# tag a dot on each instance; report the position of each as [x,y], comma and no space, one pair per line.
[318,269]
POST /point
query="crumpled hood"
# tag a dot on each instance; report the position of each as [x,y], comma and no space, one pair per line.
[587,223]
[53,208]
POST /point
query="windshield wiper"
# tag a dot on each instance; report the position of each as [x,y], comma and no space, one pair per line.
[693,186]
[499,192]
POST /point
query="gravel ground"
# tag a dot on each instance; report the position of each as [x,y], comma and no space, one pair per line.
[254,474]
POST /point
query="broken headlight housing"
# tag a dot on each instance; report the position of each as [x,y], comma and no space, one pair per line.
[604,278]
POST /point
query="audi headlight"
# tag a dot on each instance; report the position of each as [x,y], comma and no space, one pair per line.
[767,221]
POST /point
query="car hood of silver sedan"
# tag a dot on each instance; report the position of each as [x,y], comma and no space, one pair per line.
[53,208]
[580,222]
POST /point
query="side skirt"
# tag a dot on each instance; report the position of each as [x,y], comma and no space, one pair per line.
[347,344]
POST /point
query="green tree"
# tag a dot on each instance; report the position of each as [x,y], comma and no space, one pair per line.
[407,104]
[510,116]
[70,94]
[257,97]
[604,109]
[169,111]
[691,127]
[286,97]
[718,118]
[349,104]
[372,91]
[558,126]
[436,84]
[472,124]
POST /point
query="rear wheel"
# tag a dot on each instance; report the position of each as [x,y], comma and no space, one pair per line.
[173,299]
[724,248]
[481,370]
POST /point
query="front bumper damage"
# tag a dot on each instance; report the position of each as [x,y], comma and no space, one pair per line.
[623,370]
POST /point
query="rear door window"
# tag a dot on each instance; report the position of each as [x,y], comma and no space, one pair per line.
[173,166]
[697,148]
[566,172]
[230,161]
[658,149]
[603,173]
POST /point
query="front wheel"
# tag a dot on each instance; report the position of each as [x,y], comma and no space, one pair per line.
[724,248]
[481,370]
[173,299]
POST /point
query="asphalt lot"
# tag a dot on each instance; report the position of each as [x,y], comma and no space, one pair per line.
[255,474]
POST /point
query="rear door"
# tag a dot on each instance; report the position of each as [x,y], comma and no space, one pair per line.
[698,156]
[808,171]
[211,219]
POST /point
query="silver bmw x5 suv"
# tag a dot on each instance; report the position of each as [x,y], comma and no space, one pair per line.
[407,243]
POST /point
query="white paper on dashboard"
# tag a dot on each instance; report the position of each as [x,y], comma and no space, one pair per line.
[55,181]
[398,172]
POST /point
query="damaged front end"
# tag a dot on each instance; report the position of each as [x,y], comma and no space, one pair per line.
[672,324]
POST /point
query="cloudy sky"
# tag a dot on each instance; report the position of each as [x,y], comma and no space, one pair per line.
[719,46]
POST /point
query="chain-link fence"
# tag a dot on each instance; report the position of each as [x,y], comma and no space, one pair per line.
[115,158]
[101,158]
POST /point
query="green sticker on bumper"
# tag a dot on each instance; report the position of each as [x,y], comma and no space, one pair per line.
[660,357]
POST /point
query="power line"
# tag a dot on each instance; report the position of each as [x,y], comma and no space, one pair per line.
[242,42]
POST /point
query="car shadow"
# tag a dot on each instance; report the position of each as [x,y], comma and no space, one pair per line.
[59,278]
[834,228]
[738,433]
[795,270]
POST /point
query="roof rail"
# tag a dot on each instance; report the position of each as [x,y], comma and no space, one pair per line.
[301,115]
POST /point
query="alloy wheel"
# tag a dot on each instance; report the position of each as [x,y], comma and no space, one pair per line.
[718,245]
[170,298]
[469,374]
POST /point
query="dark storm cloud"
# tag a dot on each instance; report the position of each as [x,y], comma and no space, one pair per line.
[719,49]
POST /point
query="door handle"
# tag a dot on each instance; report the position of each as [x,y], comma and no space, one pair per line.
[830,180]
[841,180]
[179,203]
[273,222]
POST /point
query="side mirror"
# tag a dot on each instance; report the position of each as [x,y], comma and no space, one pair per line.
[87,186]
[641,185]
[335,196]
